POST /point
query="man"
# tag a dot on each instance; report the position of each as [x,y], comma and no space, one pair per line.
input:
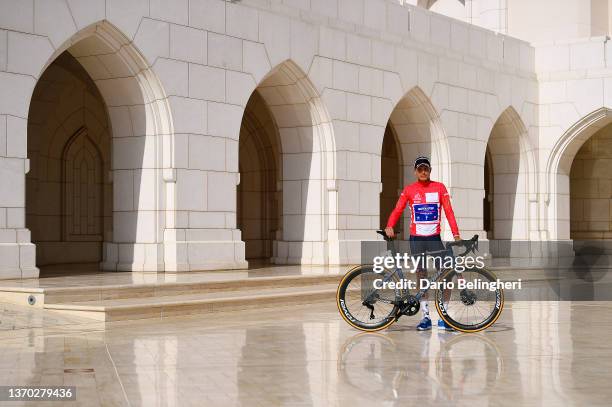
[426,199]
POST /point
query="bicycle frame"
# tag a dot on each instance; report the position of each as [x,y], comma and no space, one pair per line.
[400,273]
[435,278]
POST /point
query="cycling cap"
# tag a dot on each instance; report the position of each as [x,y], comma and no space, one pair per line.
[422,160]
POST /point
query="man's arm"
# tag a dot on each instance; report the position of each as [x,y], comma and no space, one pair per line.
[448,211]
[397,212]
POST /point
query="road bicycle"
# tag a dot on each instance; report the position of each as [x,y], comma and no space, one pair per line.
[469,300]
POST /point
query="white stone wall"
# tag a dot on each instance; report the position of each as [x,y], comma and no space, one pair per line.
[176,76]
[551,20]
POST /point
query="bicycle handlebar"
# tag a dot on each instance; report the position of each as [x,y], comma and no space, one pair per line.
[471,245]
[384,235]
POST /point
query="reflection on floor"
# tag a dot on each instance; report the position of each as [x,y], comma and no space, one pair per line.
[548,353]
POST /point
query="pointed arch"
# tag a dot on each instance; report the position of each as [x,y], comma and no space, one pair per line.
[419,131]
[121,73]
[417,124]
[82,189]
[68,194]
[142,144]
[557,171]
[307,149]
[512,166]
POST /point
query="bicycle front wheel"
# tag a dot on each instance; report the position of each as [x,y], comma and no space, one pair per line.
[362,305]
[472,304]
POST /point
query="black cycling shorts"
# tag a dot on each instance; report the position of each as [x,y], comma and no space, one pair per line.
[428,244]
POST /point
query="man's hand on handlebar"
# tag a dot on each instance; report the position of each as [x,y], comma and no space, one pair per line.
[470,245]
[390,232]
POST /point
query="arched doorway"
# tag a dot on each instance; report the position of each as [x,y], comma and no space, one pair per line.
[68,189]
[99,137]
[415,125]
[296,211]
[508,180]
[259,192]
[558,169]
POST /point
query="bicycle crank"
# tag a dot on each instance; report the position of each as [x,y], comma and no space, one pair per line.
[410,306]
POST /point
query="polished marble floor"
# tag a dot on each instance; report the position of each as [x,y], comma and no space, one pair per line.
[538,354]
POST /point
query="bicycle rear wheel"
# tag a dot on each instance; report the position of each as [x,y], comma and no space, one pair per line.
[473,308]
[363,306]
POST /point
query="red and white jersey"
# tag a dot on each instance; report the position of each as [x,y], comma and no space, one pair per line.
[426,200]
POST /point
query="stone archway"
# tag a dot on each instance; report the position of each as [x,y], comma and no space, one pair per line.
[68,188]
[509,179]
[559,167]
[305,166]
[418,131]
[130,106]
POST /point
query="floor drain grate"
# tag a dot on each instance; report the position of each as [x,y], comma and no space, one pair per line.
[86,370]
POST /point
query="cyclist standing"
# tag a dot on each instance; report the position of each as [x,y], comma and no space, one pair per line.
[426,199]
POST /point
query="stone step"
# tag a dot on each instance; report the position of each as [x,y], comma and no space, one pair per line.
[195,303]
[54,295]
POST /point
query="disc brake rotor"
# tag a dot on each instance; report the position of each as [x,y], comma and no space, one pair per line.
[468,297]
